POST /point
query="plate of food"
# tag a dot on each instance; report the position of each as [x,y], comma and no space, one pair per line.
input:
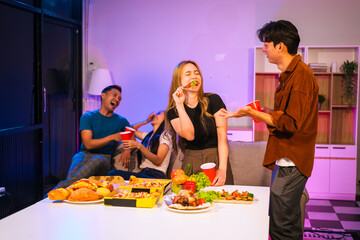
[187,202]
[84,202]
[84,191]
[236,196]
[193,210]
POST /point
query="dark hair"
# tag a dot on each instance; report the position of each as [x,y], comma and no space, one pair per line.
[152,139]
[280,31]
[108,88]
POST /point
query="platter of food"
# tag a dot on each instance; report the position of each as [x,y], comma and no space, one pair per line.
[187,202]
[243,197]
[85,202]
[92,190]
[199,209]
[234,201]
[147,184]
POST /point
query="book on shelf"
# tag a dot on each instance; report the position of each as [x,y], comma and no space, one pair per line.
[318,67]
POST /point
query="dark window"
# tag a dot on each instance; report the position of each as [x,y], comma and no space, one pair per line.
[63,8]
[16,67]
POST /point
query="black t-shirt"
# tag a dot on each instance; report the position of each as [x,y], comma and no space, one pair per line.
[203,139]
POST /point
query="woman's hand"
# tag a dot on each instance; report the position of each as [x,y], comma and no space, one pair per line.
[179,96]
[151,117]
[220,178]
[241,112]
[131,144]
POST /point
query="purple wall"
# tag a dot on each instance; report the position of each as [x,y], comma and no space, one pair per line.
[141,42]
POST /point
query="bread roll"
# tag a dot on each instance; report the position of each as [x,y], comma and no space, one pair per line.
[103,192]
[59,194]
[83,195]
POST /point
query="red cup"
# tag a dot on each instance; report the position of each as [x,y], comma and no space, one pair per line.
[209,170]
[129,129]
[256,106]
[126,135]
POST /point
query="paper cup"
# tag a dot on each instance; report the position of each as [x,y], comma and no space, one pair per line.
[209,170]
[126,135]
[256,106]
[130,129]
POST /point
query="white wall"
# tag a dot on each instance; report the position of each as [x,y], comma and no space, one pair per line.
[141,42]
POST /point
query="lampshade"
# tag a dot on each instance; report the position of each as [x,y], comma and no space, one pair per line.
[100,78]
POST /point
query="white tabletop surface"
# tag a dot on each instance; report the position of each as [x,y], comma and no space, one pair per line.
[61,220]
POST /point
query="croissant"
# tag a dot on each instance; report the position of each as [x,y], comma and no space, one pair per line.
[59,194]
[83,183]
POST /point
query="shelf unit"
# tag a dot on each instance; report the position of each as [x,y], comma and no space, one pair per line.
[334,174]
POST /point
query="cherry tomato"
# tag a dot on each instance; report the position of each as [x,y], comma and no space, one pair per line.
[201,201]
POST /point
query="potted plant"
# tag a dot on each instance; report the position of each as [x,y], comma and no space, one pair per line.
[349,81]
[321,99]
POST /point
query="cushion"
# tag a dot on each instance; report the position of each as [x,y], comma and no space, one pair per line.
[176,160]
[246,163]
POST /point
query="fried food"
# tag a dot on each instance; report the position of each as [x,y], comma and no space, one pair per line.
[136,195]
[83,194]
[186,198]
[83,183]
[103,192]
[59,194]
[140,183]
[109,179]
[235,195]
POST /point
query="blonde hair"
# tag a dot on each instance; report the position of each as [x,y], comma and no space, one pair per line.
[202,98]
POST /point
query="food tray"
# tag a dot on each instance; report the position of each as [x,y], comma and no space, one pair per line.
[233,201]
[131,202]
[165,188]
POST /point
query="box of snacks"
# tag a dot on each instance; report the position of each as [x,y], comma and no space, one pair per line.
[147,185]
[126,197]
[138,192]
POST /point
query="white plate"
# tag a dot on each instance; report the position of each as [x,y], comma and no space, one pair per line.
[85,202]
[172,207]
[199,210]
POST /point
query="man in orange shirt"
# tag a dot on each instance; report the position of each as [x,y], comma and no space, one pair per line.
[292,128]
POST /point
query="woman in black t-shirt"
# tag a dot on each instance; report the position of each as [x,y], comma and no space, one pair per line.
[193,115]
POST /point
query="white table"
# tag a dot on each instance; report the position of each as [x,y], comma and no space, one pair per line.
[60,220]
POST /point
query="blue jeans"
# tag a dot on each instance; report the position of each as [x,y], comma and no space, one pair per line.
[85,165]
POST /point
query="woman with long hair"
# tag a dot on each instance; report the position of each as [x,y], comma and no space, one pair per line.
[194,116]
[154,150]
